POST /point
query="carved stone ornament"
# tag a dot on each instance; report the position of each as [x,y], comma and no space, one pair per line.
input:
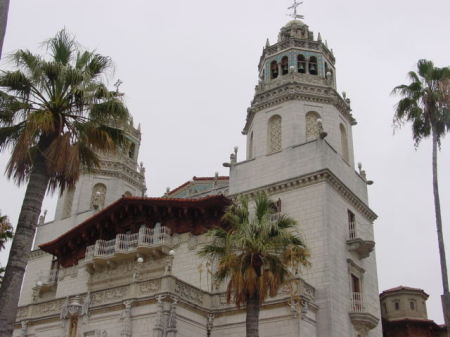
[166,321]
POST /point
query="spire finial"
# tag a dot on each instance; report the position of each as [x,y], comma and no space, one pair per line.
[294,10]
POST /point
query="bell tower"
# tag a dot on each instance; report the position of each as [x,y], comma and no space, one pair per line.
[300,151]
[298,72]
[118,174]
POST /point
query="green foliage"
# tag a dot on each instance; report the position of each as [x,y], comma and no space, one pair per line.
[59,108]
[257,251]
[6,233]
[425,101]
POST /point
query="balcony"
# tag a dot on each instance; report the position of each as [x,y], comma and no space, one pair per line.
[357,244]
[45,284]
[361,319]
[154,242]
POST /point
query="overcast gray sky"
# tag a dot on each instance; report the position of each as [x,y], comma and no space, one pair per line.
[189,69]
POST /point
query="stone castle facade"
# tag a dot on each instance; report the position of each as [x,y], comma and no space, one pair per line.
[116,263]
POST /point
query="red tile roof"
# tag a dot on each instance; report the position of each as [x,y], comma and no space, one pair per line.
[164,201]
[197,179]
[399,288]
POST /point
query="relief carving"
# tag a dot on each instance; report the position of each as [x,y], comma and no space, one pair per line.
[150,287]
[189,293]
[109,295]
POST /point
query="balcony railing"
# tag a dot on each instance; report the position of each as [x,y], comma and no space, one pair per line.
[358,241]
[352,230]
[357,304]
[128,243]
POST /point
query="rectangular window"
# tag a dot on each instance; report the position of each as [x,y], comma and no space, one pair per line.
[351,225]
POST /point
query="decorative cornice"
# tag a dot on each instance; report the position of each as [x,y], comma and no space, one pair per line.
[324,175]
[37,253]
[290,90]
[121,171]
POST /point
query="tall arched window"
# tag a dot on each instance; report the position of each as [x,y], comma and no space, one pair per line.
[313,65]
[274,134]
[312,126]
[344,142]
[131,150]
[98,196]
[284,65]
[274,70]
[250,146]
[301,64]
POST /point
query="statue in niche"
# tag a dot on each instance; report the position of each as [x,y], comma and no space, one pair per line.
[98,196]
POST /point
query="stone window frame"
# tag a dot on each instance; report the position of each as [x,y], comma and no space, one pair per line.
[251,150]
[98,202]
[274,134]
[412,304]
[356,270]
[345,150]
[312,131]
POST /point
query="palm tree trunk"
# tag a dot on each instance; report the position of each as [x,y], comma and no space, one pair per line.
[437,207]
[21,246]
[4,8]
[252,319]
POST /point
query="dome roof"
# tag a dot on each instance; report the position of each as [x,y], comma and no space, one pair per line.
[294,23]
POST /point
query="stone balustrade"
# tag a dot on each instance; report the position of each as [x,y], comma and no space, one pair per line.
[124,244]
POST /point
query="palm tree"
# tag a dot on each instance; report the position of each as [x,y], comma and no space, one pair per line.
[6,233]
[425,103]
[257,254]
[4,8]
[55,115]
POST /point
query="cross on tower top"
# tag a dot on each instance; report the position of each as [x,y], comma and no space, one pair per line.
[294,10]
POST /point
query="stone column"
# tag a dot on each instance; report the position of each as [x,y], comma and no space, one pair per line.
[158,329]
[126,320]
[172,320]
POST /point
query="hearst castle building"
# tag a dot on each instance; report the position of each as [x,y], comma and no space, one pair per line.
[114,263]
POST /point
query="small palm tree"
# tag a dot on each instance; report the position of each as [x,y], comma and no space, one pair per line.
[6,233]
[56,113]
[6,230]
[425,103]
[257,254]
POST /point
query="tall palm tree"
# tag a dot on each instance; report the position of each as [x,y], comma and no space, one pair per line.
[4,8]
[425,103]
[55,114]
[257,253]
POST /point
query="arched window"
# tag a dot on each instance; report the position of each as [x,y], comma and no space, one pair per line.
[284,65]
[274,70]
[250,146]
[301,64]
[98,196]
[344,143]
[131,150]
[313,65]
[312,126]
[127,194]
[274,134]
